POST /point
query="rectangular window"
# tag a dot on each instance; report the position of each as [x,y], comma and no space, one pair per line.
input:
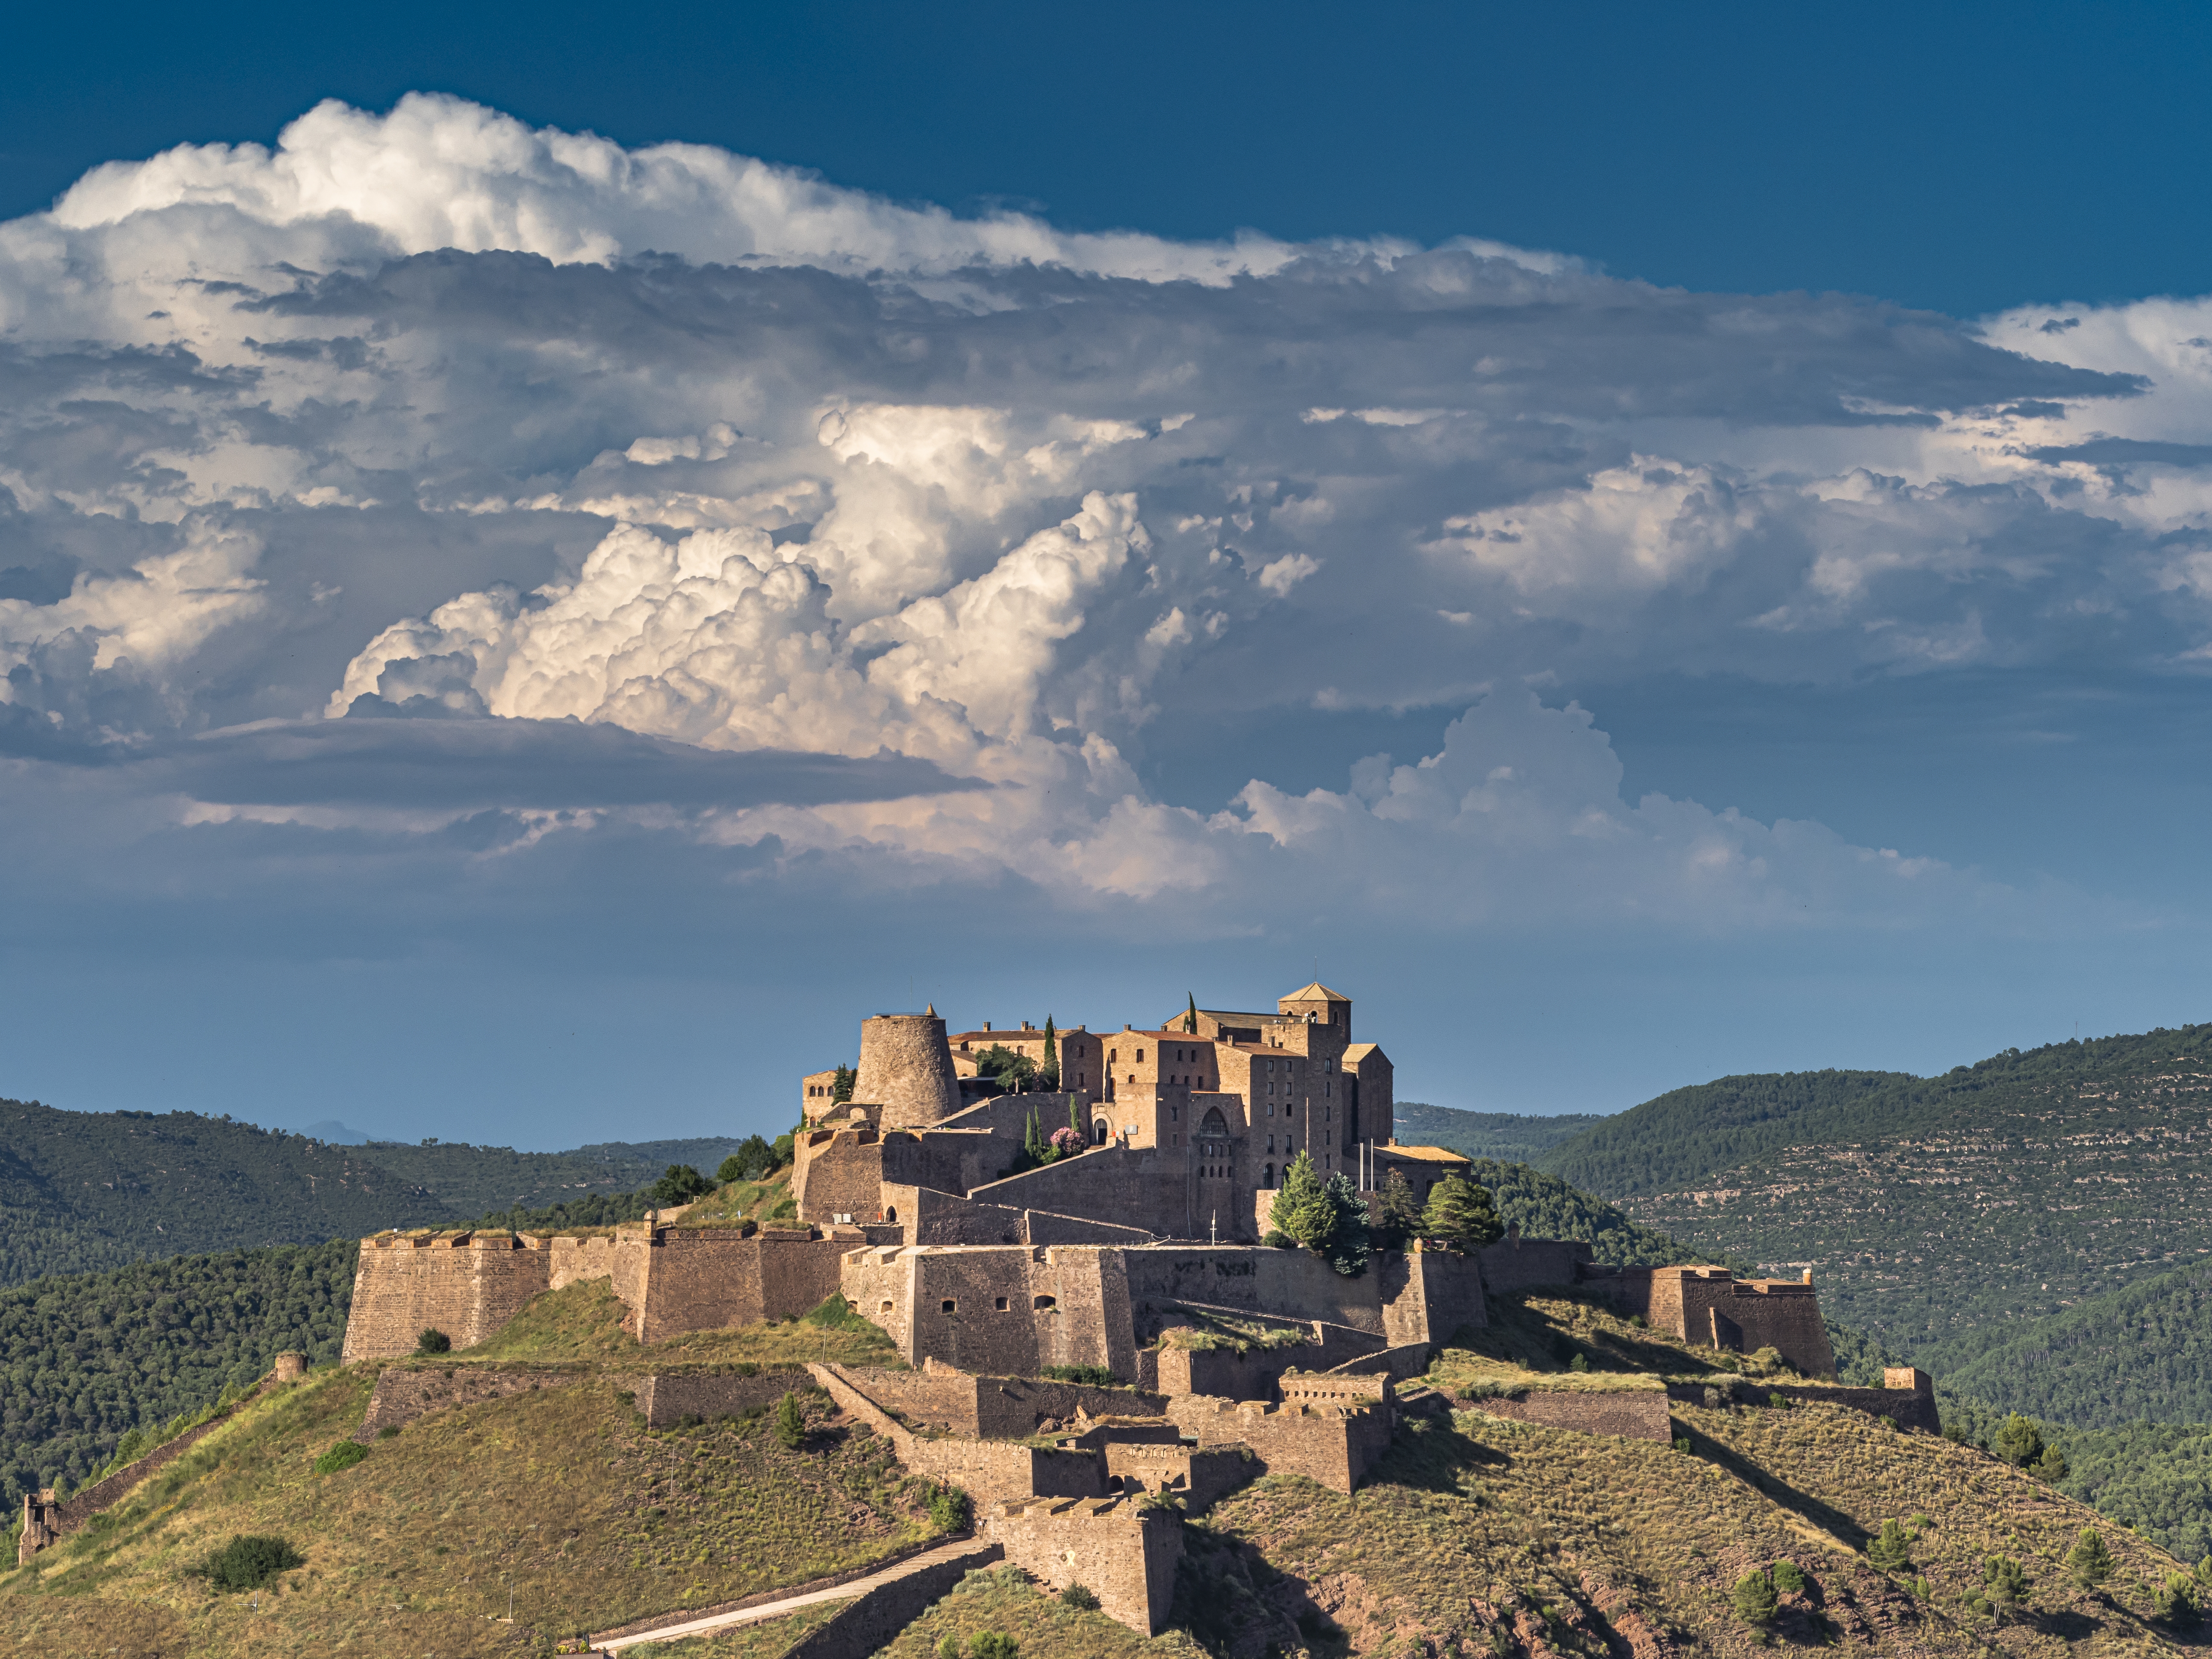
[1002,1304]
[947,1306]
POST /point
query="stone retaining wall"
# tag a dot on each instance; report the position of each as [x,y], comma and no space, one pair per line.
[1635,1414]
[872,1621]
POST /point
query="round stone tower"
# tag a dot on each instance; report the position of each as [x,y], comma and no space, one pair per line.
[906,1068]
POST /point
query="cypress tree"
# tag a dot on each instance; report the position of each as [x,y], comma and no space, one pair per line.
[1049,1073]
[1302,1208]
[1190,1019]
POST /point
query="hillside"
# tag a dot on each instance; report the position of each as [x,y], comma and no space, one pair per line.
[1475,1534]
[1512,1137]
[83,1191]
[2140,1354]
[1930,1208]
[1545,1206]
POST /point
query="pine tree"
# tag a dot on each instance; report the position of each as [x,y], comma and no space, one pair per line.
[2004,1580]
[1891,1550]
[1190,1019]
[2090,1560]
[1348,1244]
[1461,1214]
[1048,1072]
[1755,1600]
[1398,1213]
[2019,1441]
[1303,1209]
[841,1086]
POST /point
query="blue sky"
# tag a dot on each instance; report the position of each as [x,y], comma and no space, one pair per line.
[563,578]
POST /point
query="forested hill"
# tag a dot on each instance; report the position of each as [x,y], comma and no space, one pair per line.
[1516,1137]
[1929,1208]
[2140,1354]
[82,1191]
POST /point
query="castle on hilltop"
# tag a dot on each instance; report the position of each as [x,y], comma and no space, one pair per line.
[918,1201]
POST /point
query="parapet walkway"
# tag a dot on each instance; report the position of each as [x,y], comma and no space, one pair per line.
[943,1555]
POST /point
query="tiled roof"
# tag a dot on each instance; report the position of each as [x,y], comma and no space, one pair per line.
[1426,1154]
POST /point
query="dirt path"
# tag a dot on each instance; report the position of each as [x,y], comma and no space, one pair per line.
[846,1592]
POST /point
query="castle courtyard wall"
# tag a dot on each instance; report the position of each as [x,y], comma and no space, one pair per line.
[1427,1295]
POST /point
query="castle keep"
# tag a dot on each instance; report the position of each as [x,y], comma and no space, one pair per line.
[919,1199]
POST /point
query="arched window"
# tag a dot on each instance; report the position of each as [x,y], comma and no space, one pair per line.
[1215,1124]
[1269,1179]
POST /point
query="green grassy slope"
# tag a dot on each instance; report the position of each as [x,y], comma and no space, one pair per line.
[81,1191]
[1933,1208]
[1514,1137]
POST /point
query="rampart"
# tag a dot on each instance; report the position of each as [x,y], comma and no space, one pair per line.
[1427,1295]
[1322,1431]
[987,1470]
[48,1519]
[1633,1413]
[706,1278]
[1909,1400]
[1711,1307]
[404,1393]
[1515,1263]
[466,1285]
[995,1407]
[1122,1551]
[872,1619]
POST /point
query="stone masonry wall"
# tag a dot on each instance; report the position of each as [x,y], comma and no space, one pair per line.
[1225,1374]
[994,1407]
[906,1067]
[1201,1476]
[466,1285]
[706,1278]
[988,1471]
[1636,1414]
[1429,1294]
[1335,1447]
[1515,1263]
[1123,1554]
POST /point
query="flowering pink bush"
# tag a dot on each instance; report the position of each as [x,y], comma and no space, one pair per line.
[1067,1142]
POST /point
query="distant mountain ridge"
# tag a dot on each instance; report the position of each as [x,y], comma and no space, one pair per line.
[1514,1137]
[1930,1208]
[81,1191]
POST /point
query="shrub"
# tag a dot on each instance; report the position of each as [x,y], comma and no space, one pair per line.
[1754,1599]
[1779,1402]
[1789,1578]
[249,1561]
[2090,1560]
[1279,1240]
[1096,1377]
[994,1644]
[950,1508]
[680,1185]
[433,1341]
[343,1456]
[949,1648]
[1579,1364]
[2177,1602]
[1080,1597]
[1891,1550]
[790,1423]
[1681,1442]
[753,1159]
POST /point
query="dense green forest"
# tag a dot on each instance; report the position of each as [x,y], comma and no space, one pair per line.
[2140,1354]
[85,1191]
[1545,1206]
[1931,1208]
[87,1359]
[1514,1137]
